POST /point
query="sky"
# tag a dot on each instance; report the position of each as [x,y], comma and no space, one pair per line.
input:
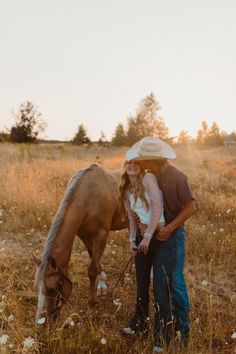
[91,62]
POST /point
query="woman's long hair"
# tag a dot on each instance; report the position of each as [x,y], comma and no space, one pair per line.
[138,190]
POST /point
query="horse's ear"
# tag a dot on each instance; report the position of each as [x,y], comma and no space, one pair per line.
[52,262]
[37,260]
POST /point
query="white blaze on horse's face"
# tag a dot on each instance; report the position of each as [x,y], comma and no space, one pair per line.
[41,302]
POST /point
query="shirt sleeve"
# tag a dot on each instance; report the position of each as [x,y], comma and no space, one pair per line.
[184,191]
[132,222]
[156,201]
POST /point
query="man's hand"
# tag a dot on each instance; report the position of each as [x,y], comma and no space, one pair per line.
[143,246]
[164,233]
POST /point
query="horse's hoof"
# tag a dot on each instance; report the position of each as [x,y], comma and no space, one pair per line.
[101,290]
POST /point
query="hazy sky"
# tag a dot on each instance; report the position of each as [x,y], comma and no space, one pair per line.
[92,61]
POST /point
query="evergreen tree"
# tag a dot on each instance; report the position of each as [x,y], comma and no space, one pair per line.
[212,136]
[119,137]
[102,139]
[215,137]
[202,133]
[146,121]
[184,138]
[28,124]
[81,136]
[4,136]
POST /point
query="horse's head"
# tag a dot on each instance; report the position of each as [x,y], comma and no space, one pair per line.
[54,289]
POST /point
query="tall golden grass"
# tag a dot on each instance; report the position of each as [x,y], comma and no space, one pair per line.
[32,182]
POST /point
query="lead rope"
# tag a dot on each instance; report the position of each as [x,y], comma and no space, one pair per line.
[121,275]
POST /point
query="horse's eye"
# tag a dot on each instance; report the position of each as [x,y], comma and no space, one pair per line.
[51,291]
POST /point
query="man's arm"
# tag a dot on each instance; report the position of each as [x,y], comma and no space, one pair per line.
[188,210]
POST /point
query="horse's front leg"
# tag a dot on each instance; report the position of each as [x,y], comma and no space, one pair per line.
[94,269]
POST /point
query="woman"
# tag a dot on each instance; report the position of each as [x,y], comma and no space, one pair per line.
[140,194]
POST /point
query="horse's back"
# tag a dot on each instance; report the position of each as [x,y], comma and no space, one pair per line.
[97,197]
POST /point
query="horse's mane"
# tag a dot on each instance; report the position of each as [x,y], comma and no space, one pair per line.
[56,223]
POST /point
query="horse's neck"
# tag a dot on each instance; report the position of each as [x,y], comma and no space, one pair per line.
[62,245]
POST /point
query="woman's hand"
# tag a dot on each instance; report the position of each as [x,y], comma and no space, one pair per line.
[143,246]
[133,248]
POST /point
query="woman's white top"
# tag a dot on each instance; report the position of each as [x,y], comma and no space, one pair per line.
[151,216]
[140,208]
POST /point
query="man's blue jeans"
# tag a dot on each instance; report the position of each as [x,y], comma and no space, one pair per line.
[179,291]
[160,256]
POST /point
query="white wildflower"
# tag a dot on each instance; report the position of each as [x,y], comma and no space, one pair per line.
[103,341]
[204,283]
[41,320]
[197,320]
[117,302]
[11,318]
[11,346]
[72,323]
[214,233]
[28,342]
[221,230]
[4,339]
[178,335]
[233,335]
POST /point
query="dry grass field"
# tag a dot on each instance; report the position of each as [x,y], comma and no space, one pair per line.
[32,182]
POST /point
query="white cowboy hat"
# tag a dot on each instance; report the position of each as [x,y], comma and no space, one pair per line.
[150,148]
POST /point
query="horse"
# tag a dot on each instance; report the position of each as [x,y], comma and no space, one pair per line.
[89,209]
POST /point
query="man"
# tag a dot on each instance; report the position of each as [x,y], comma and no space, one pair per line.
[179,205]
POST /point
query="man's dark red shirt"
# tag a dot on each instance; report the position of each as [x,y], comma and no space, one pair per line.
[175,189]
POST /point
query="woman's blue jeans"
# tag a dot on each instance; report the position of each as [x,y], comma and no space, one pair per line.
[160,256]
[179,291]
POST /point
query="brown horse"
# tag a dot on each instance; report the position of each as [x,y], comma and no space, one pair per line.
[89,209]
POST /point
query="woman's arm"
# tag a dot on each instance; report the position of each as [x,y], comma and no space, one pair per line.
[156,206]
[132,222]
[156,202]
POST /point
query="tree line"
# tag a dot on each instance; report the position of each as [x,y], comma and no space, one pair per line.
[145,121]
